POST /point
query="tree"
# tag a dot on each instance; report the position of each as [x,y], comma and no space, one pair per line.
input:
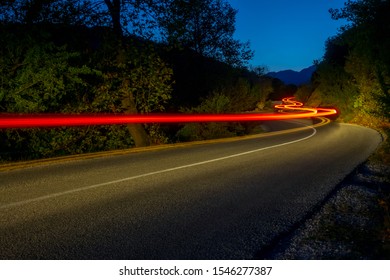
[128,102]
[355,70]
[239,96]
[74,12]
[37,76]
[133,64]
[206,26]
[368,61]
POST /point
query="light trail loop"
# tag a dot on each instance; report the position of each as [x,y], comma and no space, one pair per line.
[60,120]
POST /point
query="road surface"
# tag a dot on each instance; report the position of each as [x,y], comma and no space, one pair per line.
[225,200]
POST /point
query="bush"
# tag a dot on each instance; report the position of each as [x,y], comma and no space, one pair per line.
[238,98]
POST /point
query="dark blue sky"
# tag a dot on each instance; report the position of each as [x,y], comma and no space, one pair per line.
[286,34]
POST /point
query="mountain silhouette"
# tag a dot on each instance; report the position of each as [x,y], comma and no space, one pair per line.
[294,77]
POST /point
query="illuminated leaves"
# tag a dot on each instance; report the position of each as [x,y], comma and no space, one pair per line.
[46,82]
[355,71]
[39,76]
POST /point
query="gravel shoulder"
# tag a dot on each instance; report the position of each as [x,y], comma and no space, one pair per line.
[354,223]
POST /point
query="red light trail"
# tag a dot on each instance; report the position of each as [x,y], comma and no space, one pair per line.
[58,120]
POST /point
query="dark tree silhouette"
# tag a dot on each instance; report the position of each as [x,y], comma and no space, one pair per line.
[206,26]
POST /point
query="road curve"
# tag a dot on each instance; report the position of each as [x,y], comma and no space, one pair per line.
[214,201]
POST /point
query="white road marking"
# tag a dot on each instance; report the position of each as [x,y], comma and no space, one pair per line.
[54,195]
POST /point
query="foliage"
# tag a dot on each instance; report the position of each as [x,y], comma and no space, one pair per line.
[43,81]
[239,97]
[280,90]
[304,93]
[206,26]
[85,56]
[355,70]
[67,12]
[148,76]
[217,103]
[38,76]
[334,88]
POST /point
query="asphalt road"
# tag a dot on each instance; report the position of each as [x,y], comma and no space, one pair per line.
[212,201]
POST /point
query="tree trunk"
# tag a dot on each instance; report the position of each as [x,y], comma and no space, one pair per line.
[137,131]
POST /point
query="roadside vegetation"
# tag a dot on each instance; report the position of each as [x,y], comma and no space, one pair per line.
[111,56]
[354,75]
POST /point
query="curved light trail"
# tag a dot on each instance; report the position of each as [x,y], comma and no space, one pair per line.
[290,109]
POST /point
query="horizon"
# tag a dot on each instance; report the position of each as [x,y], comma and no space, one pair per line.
[297,71]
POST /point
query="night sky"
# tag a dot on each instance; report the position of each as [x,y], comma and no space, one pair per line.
[286,34]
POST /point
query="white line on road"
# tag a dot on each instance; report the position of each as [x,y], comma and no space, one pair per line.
[54,195]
